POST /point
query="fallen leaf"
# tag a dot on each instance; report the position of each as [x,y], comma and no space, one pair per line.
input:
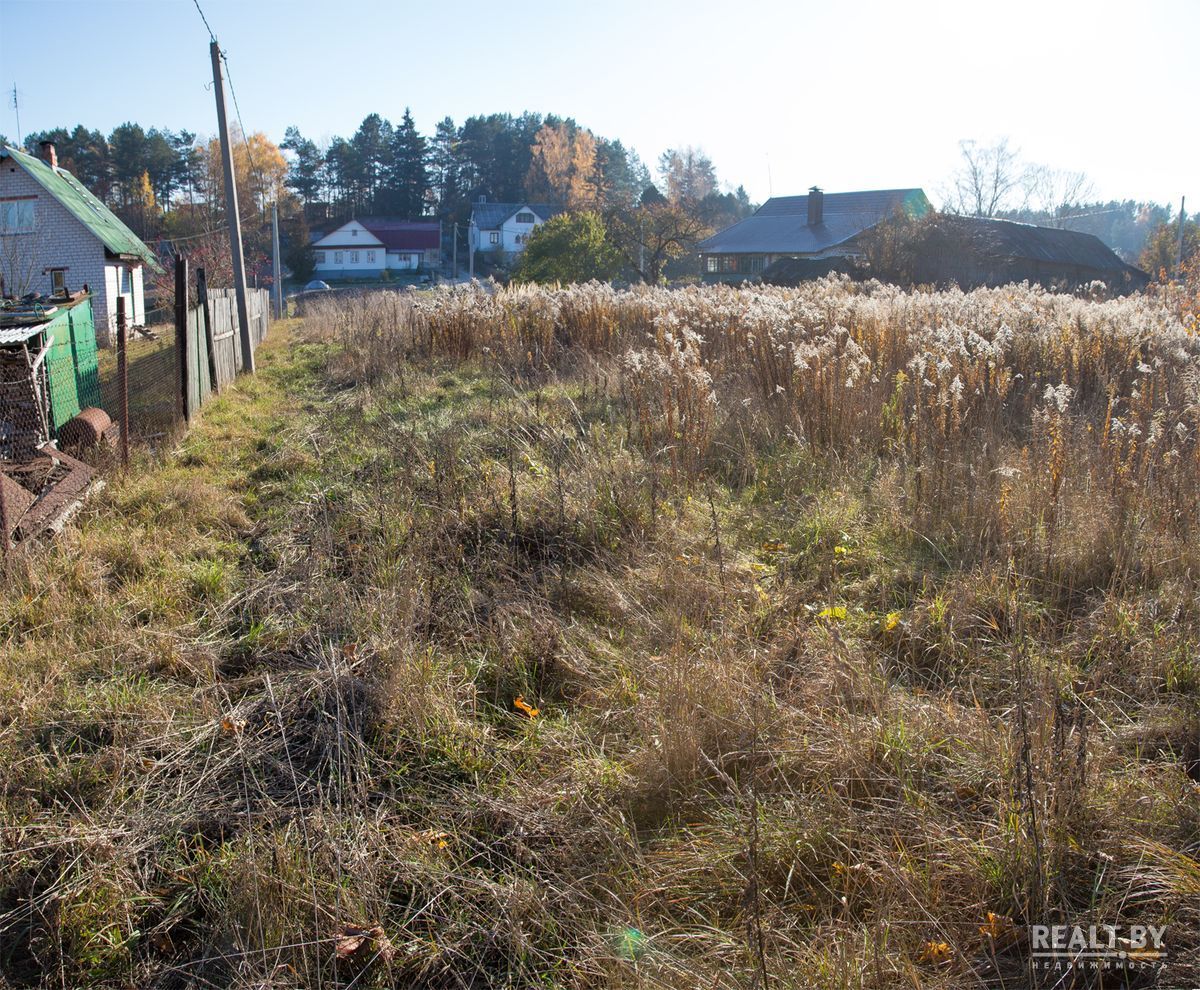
[521,705]
[233,726]
[836,612]
[934,952]
[358,944]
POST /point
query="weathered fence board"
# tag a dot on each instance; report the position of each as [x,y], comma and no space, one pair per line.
[226,341]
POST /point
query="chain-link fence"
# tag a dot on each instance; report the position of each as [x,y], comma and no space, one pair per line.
[62,398]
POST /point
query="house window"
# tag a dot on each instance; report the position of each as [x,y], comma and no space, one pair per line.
[354,257]
[354,233]
[319,257]
[337,257]
[58,281]
[370,257]
[525,218]
[16,216]
[494,237]
[711,263]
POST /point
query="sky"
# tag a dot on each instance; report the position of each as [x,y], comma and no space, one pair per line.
[781,95]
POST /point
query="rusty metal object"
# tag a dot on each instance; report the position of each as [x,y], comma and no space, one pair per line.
[56,505]
[17,501]
[85,430]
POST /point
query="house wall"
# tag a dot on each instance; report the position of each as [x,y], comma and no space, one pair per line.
[512,235]
[58,240]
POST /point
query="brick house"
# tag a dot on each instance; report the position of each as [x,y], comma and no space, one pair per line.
[56,237]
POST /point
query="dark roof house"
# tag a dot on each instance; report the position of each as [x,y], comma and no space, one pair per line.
[977,251]
[816,225]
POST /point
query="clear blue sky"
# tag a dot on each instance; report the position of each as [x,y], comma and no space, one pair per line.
[843,95]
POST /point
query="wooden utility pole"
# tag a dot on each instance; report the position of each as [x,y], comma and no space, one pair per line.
[1179,246]
[454,253]
[471,247]
[234,218]
[276,266]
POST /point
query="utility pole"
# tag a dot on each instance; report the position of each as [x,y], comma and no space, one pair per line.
[1179,246]
[471,247]
[233,217]
[276,267]
[454,253]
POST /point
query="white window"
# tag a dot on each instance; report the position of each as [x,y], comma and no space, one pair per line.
[354,257]
[712,264]
[494,237]
[319,257]
[58,281]
[525,218]
[16,216]
[370,257]
[337,257]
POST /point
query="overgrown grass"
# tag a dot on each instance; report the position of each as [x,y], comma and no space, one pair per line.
[654,639]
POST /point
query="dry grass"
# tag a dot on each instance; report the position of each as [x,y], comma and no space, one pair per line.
[849,617]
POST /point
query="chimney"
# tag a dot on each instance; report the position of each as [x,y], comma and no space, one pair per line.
[48,154]
[816,207]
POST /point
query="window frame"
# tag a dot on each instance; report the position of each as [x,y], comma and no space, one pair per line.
[58,281]
[354,257]
[371,257]
[15,205]
[337,257]
[520,218]
[318,257]
[494,237]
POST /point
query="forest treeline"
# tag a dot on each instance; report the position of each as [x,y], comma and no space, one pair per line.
[168,185]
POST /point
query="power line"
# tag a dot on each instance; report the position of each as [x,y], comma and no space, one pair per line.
[211,36]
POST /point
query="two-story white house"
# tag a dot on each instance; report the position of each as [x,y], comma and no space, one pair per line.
[56,237]
[504,228]
[367,248]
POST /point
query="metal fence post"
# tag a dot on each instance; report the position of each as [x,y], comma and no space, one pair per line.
[181,333]
[123,379]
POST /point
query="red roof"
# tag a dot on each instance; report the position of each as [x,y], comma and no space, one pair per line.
[406,235]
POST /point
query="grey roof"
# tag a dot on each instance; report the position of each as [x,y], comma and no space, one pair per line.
[489,216]
[780,225]
[1010,239]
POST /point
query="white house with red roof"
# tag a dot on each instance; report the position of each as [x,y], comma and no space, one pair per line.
[369,247]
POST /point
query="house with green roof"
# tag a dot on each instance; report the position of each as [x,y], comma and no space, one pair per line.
[56,238]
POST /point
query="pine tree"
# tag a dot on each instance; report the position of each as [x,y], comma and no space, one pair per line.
[409,174]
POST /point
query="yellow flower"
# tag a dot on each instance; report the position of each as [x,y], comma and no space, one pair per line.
[891,621]
[934,952]
[837,613]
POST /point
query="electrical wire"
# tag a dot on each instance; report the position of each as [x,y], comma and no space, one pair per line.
[211,36]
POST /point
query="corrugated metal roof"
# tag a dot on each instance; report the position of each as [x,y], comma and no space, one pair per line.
[489,216]
[780,225]
[85,207]
[18,335]
[405,235]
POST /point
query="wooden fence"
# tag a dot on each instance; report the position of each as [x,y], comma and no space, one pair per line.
[209,346]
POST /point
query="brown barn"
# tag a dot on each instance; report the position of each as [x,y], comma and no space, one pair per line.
[975,251]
